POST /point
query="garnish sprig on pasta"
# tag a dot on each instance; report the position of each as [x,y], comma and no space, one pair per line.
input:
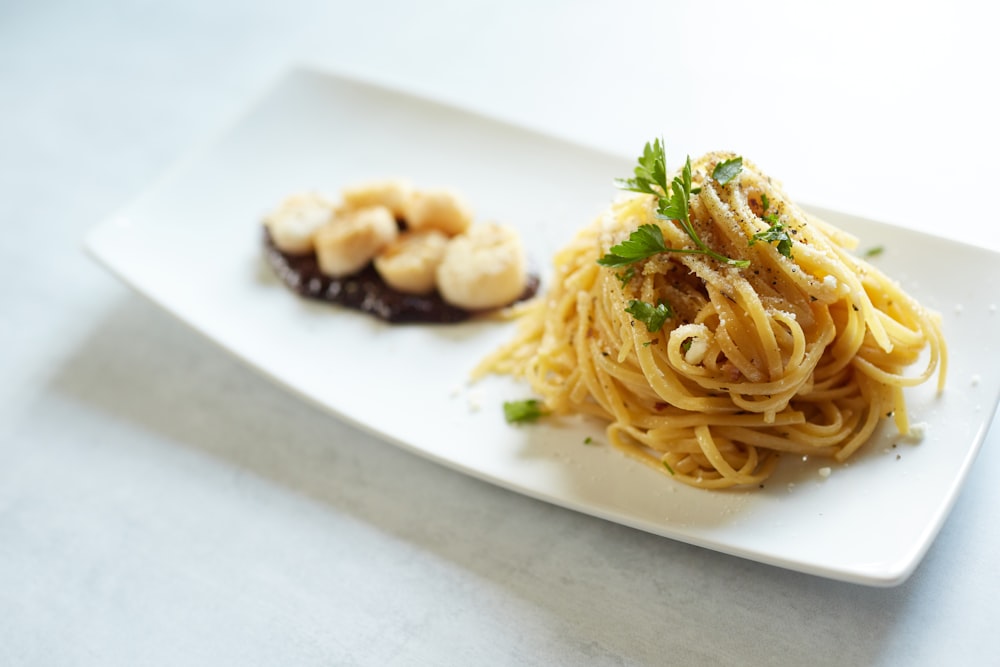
[672,205]
[776,233]
[652,316]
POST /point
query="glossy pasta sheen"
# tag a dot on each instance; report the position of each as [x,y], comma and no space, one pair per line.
[802,354]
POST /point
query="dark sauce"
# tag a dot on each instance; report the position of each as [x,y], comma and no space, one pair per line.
[366,291]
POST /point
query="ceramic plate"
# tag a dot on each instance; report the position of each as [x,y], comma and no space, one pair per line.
[191,243]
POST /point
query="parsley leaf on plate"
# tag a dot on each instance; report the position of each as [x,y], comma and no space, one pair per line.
[528,410]
[874,251]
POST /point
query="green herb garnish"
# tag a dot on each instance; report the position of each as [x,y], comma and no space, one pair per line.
[529,410]
[727,170]
[874,252]
[770,218]
[588,440]
[667,466]
[652,316]
[642,243]
[625,276]
[776,233]
[672,205]
[650,172]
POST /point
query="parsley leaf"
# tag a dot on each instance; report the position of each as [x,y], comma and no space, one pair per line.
[642,243]
[528,410]
[652,316]
[650,172]
[727,170]
[875,252]
[676,208]
[625,276]
[672,205]
[776,233]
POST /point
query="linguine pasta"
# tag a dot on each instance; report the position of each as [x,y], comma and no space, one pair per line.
[800,352]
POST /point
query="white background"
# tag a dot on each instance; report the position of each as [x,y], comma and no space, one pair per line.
[160,504]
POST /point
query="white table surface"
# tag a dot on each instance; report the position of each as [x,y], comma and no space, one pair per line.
[161,504]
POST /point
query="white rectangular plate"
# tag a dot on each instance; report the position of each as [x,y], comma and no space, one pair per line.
[192,244]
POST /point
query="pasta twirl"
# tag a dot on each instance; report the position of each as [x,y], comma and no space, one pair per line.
[802,351]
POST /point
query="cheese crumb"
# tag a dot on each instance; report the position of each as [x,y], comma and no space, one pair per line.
[824,472]
[917,431]
[696,353]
